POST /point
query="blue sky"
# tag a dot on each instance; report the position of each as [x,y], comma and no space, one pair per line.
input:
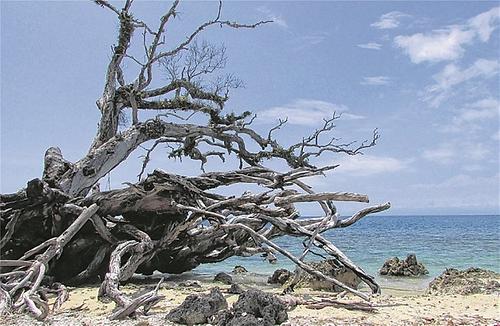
[425,73]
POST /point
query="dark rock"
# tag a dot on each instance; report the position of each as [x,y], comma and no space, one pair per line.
[239,269]
[329,267]
[280,276]
[223,278]
[408,267]
[255,307]
[198,308]
[469,281]
[235,289]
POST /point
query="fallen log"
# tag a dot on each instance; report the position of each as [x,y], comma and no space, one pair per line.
[62,229]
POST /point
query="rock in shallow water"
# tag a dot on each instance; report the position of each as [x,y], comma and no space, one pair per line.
[238,269]
[408,267]
[198,308]
[469,281]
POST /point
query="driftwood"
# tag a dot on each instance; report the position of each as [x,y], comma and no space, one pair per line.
[320,303]
[63,229]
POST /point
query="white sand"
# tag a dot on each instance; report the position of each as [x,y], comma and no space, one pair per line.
[394,307]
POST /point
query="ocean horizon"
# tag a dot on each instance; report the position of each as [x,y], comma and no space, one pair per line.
[439,242]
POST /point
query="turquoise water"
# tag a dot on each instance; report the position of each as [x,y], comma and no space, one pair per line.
[438,241]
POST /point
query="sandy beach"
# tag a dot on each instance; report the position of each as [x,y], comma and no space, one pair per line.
[394,307]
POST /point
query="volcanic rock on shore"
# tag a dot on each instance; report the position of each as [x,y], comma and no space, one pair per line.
[254,308]
[198,308]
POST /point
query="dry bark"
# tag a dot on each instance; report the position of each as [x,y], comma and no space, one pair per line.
[63,228]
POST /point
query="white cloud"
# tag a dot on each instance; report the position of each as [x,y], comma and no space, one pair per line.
[471,117]
[496,136]
[370,46]
[365,165]
[376,80]
[306,112]
[277,19]
[389,20]
[448,43]
[437,46]
[452,76]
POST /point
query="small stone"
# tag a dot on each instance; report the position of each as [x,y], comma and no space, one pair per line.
[280,276]
[142,323]
[223,278]
[239,269]
[190,284]
[235,289]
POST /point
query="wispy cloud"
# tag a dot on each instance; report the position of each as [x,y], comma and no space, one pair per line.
[443,154]
[389,20]
[448,43]
[447,80]
[305,41]
[485,23]
[471,117]
[375,80]
[468,192]
[277,19]
[365,165]
[370,46]
[306,112]
[496,136]
[457,152]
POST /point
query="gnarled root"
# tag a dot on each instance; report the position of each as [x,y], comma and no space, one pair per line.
[22,286]
[110,287]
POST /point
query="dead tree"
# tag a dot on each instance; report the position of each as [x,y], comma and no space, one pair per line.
[56,230]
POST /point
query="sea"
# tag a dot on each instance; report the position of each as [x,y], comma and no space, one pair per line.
[439,242]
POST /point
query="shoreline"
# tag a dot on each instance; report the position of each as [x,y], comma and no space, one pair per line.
[396,283]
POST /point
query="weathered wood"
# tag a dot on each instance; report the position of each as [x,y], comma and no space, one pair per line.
[57,228]
[25,286]
[54,166]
